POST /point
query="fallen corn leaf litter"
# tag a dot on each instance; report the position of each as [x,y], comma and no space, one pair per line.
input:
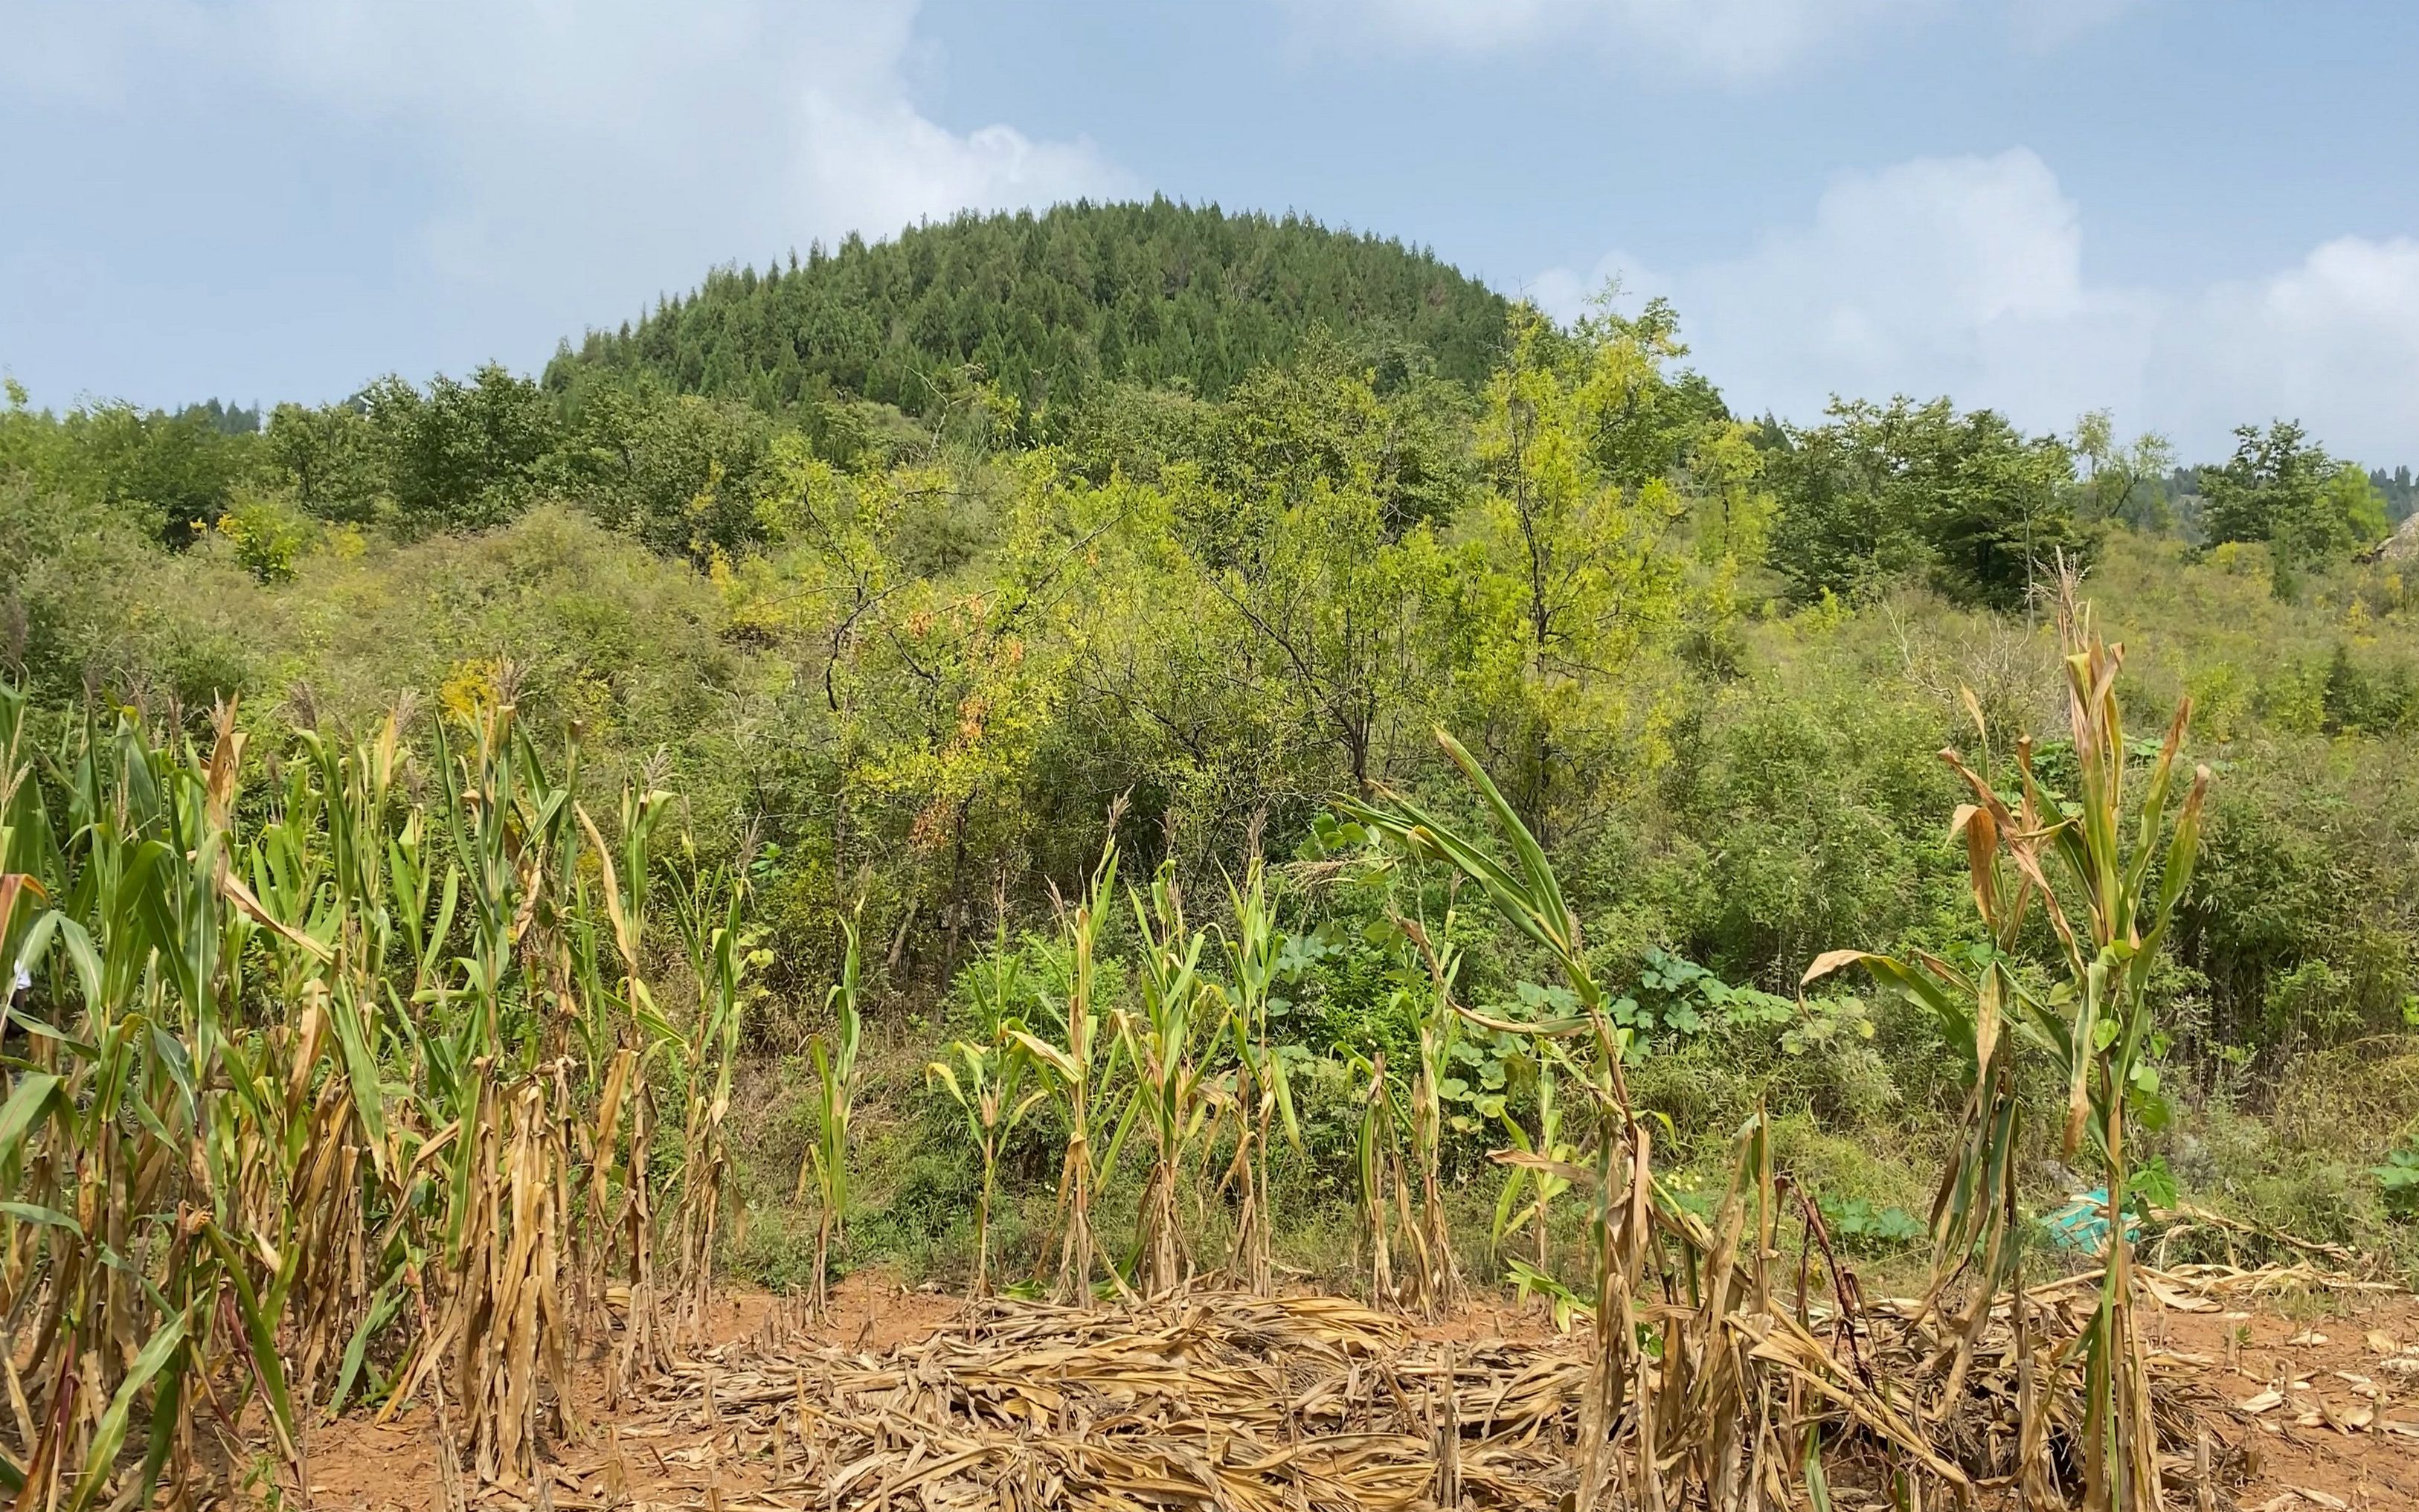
[1222,1400]
[1203,1399]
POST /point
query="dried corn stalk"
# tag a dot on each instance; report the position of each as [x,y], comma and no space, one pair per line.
[1701,1418]
[2108,903]
[326,1104]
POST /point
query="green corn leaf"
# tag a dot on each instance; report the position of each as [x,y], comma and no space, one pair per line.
[940,1072]
[1818,1488]
[260,1332]
[167,1415]
[380,1312]
[1543,888]
[360,1070]
[156,1355]
[1281,1081]
[44,1217]
[26,1106]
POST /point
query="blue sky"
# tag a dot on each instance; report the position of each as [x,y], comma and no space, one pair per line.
[2195,212]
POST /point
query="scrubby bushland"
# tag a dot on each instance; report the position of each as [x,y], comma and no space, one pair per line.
[908,652]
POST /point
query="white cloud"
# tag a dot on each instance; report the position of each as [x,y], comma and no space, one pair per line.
[1966,276]
[1731,41]
[586,155]
[2333,339]
[2047,24]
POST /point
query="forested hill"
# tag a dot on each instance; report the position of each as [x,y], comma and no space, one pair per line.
[1048,305]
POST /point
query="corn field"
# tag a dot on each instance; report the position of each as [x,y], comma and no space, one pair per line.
[1720,1396]
[401,1080]
[345,1090]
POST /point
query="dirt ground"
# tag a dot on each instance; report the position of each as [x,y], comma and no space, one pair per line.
[2329,1384]
[393,1467]
[2325,1389]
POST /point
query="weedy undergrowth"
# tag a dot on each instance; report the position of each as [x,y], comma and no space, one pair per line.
[987,1082]
[1536,1173]
[1437,1285]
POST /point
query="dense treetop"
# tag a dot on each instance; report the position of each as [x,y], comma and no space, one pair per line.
[1051,306]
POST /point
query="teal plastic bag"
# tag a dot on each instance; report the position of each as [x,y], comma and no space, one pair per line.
[2082,1225]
